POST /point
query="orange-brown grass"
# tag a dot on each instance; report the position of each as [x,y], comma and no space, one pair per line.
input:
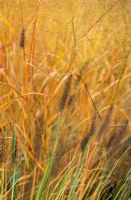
[65,99]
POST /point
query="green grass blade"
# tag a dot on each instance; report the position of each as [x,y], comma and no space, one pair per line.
[62,185]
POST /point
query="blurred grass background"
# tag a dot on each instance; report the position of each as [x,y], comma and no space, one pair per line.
[42,44]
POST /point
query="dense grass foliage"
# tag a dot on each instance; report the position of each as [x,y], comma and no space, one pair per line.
[65,100]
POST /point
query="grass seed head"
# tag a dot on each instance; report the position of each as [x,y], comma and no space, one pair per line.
[65,93]
[22,39]
[89,135]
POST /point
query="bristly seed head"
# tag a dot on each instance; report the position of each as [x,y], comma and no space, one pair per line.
[71,99]
[65,93]
[22,39]
[87,138]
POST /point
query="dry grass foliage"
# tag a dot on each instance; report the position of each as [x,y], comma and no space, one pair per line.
[65,101]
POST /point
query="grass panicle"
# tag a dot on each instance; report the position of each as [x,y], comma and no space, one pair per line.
[65,93]
[87,138]
[22,38]
[72,98]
